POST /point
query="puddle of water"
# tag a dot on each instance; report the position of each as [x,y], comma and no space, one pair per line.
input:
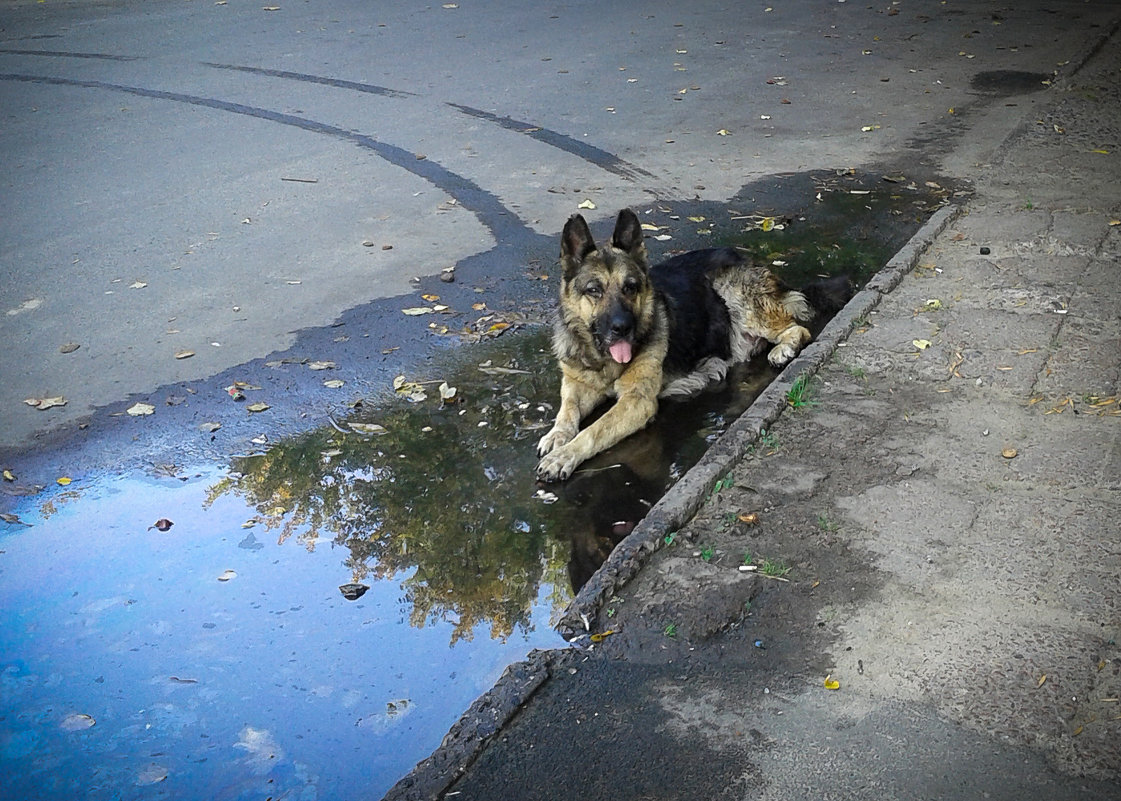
[268,683]
[319,614]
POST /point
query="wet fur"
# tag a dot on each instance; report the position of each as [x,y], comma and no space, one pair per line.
[684,322]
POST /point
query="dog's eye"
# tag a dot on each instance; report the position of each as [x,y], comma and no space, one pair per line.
[593,290]
[630,287]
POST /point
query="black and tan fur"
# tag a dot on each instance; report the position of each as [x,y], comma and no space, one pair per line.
[636,333]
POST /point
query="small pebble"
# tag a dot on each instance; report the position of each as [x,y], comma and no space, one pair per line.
[985,251]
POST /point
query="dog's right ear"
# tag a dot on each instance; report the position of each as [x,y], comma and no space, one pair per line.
[576,243]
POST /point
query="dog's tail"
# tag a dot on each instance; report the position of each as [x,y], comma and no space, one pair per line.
[828,295]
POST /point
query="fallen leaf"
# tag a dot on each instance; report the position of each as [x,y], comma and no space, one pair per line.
[696,219]
[163,524]
[257,407]
[69,347]
[209,428]
[447,394]
[321,365]
[229,574]
[184,354]
[140,409]
[64,481]
[921,344]
[586,204]
[831,683]
[651,227]
[601,636]
[1042,679]
[431,298]
[417,310]
[751,518]
[46,403]
[137,285]
[932,305]
[333,383]
[663,237]
[9,475]
[7,517]
[154,774]
[1009,453]
[76,722]
[368,428]
[723,132]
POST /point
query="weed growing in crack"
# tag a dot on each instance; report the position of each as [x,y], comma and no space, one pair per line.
[825,523]
[800,392]
[773,568]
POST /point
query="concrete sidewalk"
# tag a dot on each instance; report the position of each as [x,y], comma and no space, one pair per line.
[940,519]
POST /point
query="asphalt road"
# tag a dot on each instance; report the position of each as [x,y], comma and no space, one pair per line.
[216,178]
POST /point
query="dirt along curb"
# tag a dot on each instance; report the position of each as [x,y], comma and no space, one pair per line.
[490,712]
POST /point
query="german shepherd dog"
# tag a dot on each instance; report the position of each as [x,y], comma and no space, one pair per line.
[637,333]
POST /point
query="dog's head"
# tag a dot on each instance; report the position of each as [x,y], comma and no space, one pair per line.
[606,290]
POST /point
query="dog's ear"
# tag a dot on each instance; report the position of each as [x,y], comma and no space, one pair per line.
[576,243]
[628,236]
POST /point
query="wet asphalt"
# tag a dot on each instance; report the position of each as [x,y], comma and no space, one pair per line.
[259,186]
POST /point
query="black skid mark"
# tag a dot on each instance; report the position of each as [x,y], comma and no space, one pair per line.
[503,224]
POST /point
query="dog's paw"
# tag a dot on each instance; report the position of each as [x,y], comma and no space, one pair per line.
[557,465]
[553,440]
[781,354]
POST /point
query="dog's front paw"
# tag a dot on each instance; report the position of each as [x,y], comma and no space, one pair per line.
[554,439]
[781,354]
[557,465]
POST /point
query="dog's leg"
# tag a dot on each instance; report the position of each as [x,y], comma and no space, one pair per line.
[708,372]
[636,404]
[787,344]
[578,398]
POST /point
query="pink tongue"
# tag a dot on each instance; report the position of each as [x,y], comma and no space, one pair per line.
[621,352]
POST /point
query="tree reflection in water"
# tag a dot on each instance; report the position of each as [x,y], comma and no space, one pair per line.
[445,497]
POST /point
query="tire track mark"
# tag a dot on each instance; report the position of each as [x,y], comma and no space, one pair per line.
[504,224]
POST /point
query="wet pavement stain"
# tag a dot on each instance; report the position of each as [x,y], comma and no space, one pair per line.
[348,590]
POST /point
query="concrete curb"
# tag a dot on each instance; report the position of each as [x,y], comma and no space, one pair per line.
[491,711]
[482,720]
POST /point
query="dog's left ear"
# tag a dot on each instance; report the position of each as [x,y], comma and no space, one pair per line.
[628,236]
